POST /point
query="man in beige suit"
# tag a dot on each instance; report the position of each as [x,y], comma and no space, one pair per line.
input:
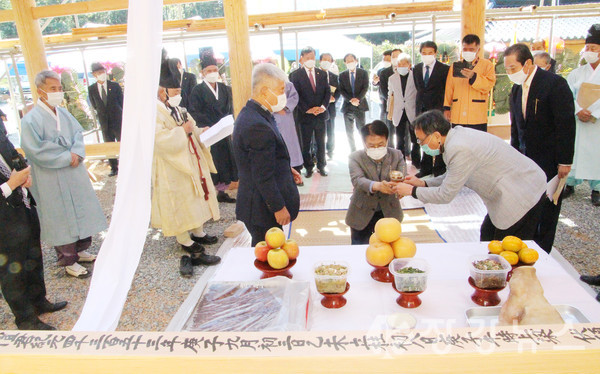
[510,184]
[402,102]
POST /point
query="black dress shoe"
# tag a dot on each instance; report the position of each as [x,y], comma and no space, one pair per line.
[48,307]
[309,173]
[204,259]
[34,324]
[222,197]
[568,191]
[323,172]
[194,248]
[594,280]
[185,266]
[206,239]
[595,198]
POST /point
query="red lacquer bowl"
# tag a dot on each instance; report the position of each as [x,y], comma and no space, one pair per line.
[407,299]
[269,272]
[485,297]
[382,274]
[334,300]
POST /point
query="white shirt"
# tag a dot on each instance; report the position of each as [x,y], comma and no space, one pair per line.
[215,90]
[310,72]
[525,93]
[43,105]
[430,69]
[105,85]
[5,188]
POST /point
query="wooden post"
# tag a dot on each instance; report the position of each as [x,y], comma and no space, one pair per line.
[240,61]
[472,19]
[30,38]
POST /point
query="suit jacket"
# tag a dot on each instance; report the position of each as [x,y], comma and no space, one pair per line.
[363,204]
[552,66]
[384,76]
[188,82]
[509,183]
[406,101]
[309,98]
[266,181]
[111,114]
[432,96]
[333,82]
[361,88]
[547,135]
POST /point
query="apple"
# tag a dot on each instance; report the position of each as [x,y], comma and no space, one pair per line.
[275,237]
[277,258]
[291,249]
[260,251]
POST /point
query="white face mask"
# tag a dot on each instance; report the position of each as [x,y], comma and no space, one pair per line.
[395,61]
[402,70]
[376,153]
[386,64]
[281,102]
[428,59]
[469,56]
[212,77]
[325,65]
[174,100]
[518,78]
[535,53]
[351,65]
[590,57]
[309,64]
[54,98]
[101,77]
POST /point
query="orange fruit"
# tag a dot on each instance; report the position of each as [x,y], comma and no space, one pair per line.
[512,243]
[523,246]
[374,239]
[495,247]
[510,256]
[404,247]
[528,255]
[388,229]
[380,254]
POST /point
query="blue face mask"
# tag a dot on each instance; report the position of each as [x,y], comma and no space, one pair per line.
[430,152]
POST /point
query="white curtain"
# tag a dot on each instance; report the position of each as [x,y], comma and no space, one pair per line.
[121,251]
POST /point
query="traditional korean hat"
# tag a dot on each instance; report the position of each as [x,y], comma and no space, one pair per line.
[207,59]
[169,76]
[593,35]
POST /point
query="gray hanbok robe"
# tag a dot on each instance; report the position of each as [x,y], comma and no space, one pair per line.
[287,126]
[66,202]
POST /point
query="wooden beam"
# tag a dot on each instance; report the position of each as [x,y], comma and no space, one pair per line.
[7,15]
[472,20]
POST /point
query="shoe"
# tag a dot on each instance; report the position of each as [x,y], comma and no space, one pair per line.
[422,174]
[194,248]
[185,266]
[48,307]
[568,191]
[113,173]
[595,198]
[323,172]
[309,173]
[206,239]
[77,271]
[222,197]
[204,259]
[594,280]
[85,256]
[34,324]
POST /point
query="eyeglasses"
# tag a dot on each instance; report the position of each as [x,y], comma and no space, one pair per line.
[421,142]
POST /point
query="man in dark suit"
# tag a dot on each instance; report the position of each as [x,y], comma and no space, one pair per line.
[325,62]
[430,80]
[539,46]
[21,268]
[267,196]
[106,98]
[187,82]
[354,85]
[311,112]
[542,126]
[543,61]
[383,83]
[2,120]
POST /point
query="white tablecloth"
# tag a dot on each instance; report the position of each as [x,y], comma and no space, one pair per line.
[445,301]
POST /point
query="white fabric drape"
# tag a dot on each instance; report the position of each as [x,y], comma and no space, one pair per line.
[122,248]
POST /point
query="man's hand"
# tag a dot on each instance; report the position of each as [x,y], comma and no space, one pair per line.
[414,181]
[563,171]
[19,178]
[203,129]
[282,112]
[74,160]
[384,187]
[403,189]
[354,101]
[375,79]
[584,115]
[4,118]
[283,216]
[332,99]
[447,115]
[297,176]
[188,127]
[29,182]
[467,73]
[311,111]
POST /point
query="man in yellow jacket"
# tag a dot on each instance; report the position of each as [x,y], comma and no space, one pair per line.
[467,91]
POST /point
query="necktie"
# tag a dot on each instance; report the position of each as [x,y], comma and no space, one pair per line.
[6,171]
[426,79]
[352,81]
[104,95]
[312,80]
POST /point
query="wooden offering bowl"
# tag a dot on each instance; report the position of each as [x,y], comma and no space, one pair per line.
[334,300]
[269,272]
[485,297]
[408,299]
[382,274]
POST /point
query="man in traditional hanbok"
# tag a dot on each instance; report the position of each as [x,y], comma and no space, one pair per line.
[585,84]
[183,194]
[68,208]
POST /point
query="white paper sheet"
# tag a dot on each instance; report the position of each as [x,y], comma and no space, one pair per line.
[218,131]
[554,188]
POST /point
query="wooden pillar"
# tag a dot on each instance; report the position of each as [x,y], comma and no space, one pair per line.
[472,19]
[30,38]
[240,61]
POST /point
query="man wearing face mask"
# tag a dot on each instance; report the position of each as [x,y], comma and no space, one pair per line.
[354,85]
[106,98]
[68,208]
[403,95]
[183,194]
[542,61]
[373,197]
[267,196]
[585,84]
[511,185]
[542,126]
[538,47]
[467,92]
[209,102]
[384,78]
[384,64]
[326,62]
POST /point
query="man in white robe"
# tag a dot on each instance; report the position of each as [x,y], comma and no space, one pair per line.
[68,208]
[586,164]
